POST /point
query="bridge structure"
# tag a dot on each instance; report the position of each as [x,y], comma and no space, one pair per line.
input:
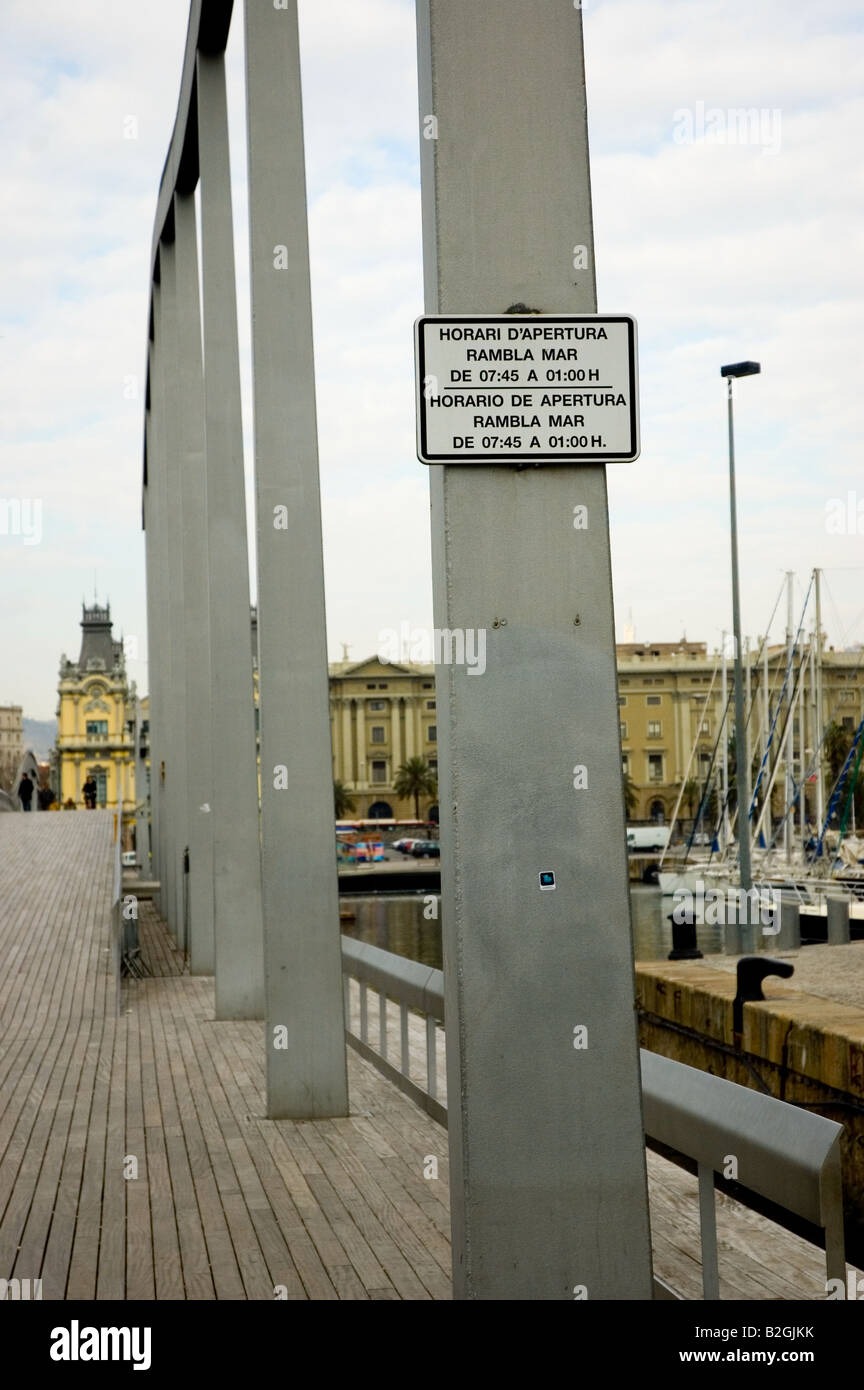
[201,1154]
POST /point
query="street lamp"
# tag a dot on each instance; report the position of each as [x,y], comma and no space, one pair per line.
[742,770]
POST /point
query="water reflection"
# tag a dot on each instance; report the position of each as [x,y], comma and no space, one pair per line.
[396,923]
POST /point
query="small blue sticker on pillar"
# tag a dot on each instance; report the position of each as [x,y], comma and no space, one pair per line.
[547,880]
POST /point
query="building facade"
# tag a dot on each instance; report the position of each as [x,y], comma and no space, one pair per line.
[670,698]
[11,744]
[382,714]
[96,722]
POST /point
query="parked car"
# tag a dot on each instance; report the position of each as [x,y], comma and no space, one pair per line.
[426,849]
[404,846]
[129,859]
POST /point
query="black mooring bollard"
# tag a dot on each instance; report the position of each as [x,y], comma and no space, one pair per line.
[683,939]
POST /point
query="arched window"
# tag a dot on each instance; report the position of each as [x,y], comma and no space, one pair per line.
[658,812]
[380,810]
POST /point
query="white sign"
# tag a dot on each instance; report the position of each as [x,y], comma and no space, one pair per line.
[526,388]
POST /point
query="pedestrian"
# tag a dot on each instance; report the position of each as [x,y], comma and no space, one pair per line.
[25,792]
[89,789]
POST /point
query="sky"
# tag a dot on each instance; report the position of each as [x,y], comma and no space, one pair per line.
[725,241]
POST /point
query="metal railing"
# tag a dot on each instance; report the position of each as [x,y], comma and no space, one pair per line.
[787,1155]
[411,986]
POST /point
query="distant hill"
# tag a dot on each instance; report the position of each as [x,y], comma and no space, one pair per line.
[40,735]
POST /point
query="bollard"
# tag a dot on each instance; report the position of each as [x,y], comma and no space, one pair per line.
[789,938]
[838,921]
[750,973]
[683,939]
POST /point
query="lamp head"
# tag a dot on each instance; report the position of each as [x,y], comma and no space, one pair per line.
[741,369]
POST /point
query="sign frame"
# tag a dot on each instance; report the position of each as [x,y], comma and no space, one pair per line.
[522,459]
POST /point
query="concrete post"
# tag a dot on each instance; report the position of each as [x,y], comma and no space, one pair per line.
[152,579]
[238,929]
[143,807]
[160,659]
[838,922]
[175,541]
[789,937]
[196,589]
[548,1184]
[305,1028]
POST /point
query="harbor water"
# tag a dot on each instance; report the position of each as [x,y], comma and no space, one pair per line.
[398,923]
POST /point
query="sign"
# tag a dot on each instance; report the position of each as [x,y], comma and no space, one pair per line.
[526,388]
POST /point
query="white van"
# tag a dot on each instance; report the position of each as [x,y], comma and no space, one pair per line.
[650,839]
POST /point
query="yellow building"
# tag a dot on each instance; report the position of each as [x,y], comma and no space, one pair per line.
[668,707]
[96,721]
[382,714]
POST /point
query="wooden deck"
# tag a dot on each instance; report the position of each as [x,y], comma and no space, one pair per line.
[135,1161]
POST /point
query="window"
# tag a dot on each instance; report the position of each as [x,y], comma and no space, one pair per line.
[848,697]
[625,764]
[377,704]
[624,681]
[378,733]
[433,765]
[432,733]
[382,685]
[622,699]
[655,767]
[95,727]
[370,685]
[652,699]
[427,685]
[379,770]
[655,728]
[623,729]
[430,704]
[705,727]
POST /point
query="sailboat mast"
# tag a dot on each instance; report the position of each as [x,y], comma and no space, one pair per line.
[790,724]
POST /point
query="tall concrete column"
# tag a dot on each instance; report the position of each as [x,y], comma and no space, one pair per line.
[162,722]
[238,928]
[196,589]
[176,541]
[305,1027]
[548,1182]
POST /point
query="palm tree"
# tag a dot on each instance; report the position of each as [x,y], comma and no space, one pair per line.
[415,778]
[341,800]
[630,795]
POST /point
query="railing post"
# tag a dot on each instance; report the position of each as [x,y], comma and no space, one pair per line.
[708,1233]
[238,929]
[308,1076]
[548,1176]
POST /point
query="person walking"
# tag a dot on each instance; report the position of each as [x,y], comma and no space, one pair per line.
[89,789]
[25,792]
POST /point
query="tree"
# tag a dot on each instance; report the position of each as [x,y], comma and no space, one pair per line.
[690,795]
[415,778]
[342,802]
[630,797]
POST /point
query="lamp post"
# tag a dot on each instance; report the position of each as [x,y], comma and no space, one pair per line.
[742,771]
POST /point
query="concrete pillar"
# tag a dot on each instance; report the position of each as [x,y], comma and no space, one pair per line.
[238,929]
[196,588]
[548,1181]
[175,542]
[838,921]
[305,1027]
[162,721]
[789,936]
